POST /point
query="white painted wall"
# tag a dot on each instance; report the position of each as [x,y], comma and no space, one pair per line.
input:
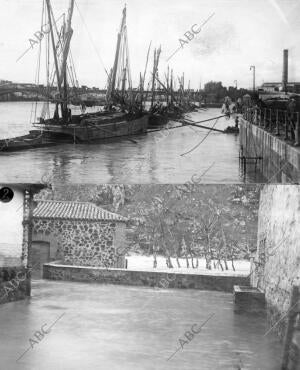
[11,229]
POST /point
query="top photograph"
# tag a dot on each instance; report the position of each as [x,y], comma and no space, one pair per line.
[149,92]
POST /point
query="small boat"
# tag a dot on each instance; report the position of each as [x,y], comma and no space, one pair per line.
[231,130]
[29,141]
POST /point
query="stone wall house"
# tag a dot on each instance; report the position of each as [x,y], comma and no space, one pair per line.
[15,242]
[277,262]
[78,233]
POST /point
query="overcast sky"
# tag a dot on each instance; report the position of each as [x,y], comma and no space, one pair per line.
[240,34]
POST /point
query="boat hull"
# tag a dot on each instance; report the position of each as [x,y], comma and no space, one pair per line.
[94,128]
[156,120]
[25,142]
[89,130]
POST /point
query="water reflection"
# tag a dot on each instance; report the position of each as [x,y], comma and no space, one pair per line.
[154,158]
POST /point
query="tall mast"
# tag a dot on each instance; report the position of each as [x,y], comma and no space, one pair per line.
[144,76]
[168,85]
[153,78]
[61,73]
[154,73]
[124,81]
[66,48]
[115,67]
[49,10]
[171,86]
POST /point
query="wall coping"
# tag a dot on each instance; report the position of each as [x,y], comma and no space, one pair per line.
[59,264]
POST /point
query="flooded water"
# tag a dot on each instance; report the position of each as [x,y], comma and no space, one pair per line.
[116,327]
[157,157]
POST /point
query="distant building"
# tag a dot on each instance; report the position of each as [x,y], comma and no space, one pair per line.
[292,87]
[271,86]
[4,82]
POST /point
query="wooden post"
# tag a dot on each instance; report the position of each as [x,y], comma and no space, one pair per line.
[286,133]
[277,123]
[271,120]
[297,130]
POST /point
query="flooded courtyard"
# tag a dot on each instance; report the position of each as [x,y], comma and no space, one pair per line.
[115,327]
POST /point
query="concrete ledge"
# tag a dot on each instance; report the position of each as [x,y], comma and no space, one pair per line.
[281,160]
[248,299]
[225,283]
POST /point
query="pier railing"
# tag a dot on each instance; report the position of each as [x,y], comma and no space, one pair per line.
[276,121]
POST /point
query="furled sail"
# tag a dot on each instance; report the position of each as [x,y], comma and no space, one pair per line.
[120,77]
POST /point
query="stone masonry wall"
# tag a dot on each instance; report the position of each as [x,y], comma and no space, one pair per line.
[278,254]
[79,242]
[54,271]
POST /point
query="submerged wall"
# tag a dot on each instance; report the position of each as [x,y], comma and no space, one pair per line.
[55,271]
[281,161]
[278,253]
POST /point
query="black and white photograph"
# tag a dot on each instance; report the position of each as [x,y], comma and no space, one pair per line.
[149,91]
[150,276]
[149,185]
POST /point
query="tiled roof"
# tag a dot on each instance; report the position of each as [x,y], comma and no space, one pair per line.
[74,210]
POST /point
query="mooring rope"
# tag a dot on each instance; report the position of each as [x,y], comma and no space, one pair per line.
[196,146]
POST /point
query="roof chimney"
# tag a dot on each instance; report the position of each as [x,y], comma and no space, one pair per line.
[285,70]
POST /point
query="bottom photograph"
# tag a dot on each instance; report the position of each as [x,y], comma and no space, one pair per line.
[185,276]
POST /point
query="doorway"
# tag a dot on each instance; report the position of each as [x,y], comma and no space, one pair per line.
[40,252]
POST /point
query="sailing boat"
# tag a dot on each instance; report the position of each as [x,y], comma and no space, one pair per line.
[123,116]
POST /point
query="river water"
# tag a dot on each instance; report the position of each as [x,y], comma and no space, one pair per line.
[95,326]
[157,157]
